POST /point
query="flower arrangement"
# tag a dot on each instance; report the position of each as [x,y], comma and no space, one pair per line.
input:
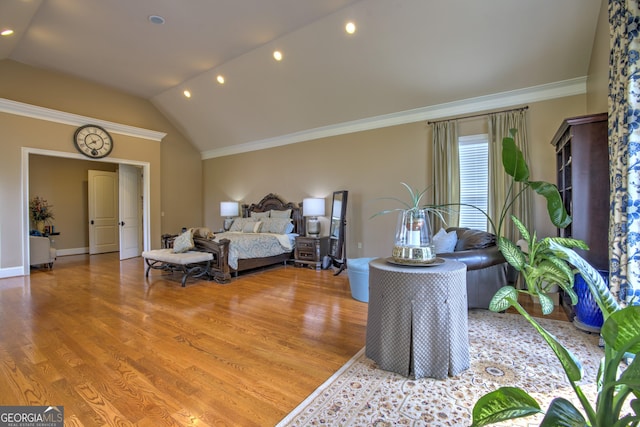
[40,210]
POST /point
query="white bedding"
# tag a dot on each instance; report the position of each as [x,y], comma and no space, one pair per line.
[255,245]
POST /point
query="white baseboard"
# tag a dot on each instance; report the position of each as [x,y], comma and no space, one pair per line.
[11,272]
[72,251]
[19,271]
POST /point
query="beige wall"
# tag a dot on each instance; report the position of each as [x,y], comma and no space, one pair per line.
[35,134]
[598,80]
[370,165]
[63,183]
[175,165]
[186,191]
[367,164]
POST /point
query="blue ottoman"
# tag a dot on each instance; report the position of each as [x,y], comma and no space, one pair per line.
[358,272]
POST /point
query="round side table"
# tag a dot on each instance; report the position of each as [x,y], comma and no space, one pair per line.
[417,318]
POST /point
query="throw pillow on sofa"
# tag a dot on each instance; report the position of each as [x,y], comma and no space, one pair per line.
[474,239]
[444,242]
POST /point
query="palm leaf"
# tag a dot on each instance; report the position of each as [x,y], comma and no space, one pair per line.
[598,288]
[521,228]
[505,403]
[569,362]
[557,213]
[513,160]
[511,253]
[620,330]
[503,299]
[562,413]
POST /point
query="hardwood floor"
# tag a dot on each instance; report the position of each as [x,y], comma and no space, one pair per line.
[115,348]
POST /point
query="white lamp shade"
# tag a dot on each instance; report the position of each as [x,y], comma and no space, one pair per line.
[313,207]
[228,209]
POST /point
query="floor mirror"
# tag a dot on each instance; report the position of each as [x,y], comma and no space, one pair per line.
[337,231]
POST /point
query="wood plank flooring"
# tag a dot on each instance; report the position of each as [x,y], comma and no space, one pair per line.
[115,348]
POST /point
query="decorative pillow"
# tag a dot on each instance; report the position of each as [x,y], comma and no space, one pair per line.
[281,214]
[475,239]
[445,242]
[439,235]
[289,228]
[251,227]
[183,242]
[259,215]
[276,225]
[238,223]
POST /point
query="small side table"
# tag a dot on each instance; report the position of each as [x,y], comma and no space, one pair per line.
[311,250]
[417,319]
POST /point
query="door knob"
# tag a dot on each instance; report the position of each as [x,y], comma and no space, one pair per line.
[91,222]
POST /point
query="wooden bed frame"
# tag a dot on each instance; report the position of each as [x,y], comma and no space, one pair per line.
[219,268]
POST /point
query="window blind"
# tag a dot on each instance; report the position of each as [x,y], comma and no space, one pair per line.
[473,154]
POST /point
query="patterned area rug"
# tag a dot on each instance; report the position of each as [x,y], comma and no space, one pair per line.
[505,351]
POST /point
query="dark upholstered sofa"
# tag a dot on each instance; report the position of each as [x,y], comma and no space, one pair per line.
[487,269]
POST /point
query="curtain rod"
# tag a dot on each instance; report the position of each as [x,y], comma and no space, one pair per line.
[526,107]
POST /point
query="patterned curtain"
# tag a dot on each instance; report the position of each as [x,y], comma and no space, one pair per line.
[624,150]
[499,126]
[446,179]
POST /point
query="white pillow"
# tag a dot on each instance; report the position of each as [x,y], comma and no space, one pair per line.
[251,227]
[276,225]
[445,242]
[281,214]
[238,223]
[259,215]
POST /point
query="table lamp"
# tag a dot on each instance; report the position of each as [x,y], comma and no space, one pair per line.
[312,208]
[228,210]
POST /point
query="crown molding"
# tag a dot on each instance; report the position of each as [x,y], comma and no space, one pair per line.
[42,113]
[561,89]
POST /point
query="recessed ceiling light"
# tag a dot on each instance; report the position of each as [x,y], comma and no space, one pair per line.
[187,94]
[156,19]
[220,79]
[350,27]
[6,32]
[277,55]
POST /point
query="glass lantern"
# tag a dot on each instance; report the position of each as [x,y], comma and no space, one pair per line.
[414,240]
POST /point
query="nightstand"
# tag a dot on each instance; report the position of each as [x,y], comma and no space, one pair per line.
[311,250]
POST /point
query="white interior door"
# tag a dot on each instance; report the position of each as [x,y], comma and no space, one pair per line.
[130,202]
[103,212]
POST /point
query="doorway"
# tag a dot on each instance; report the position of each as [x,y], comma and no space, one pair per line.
[121,163]
[115,211]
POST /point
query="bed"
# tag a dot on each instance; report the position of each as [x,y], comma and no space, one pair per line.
[256,239]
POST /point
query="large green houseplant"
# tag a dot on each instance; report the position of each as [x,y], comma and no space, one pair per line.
[548,261]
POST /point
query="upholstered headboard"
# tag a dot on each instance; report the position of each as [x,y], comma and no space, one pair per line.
[274,202]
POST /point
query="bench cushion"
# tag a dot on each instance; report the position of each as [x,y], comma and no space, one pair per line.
[168,256]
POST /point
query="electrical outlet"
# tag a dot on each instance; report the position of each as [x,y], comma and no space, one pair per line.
[359,245]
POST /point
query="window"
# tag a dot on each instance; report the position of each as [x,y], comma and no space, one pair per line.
[473,154]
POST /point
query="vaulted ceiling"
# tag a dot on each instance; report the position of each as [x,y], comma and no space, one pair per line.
[405,56]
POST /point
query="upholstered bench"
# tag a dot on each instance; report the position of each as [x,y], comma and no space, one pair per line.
[191,263]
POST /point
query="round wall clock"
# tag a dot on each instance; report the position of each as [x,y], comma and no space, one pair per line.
[93,141]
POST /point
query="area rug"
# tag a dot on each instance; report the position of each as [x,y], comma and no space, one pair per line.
[505,351]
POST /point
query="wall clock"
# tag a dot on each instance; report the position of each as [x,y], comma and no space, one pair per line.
[93,141]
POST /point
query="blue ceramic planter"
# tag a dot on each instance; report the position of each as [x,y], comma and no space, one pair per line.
[588,313]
